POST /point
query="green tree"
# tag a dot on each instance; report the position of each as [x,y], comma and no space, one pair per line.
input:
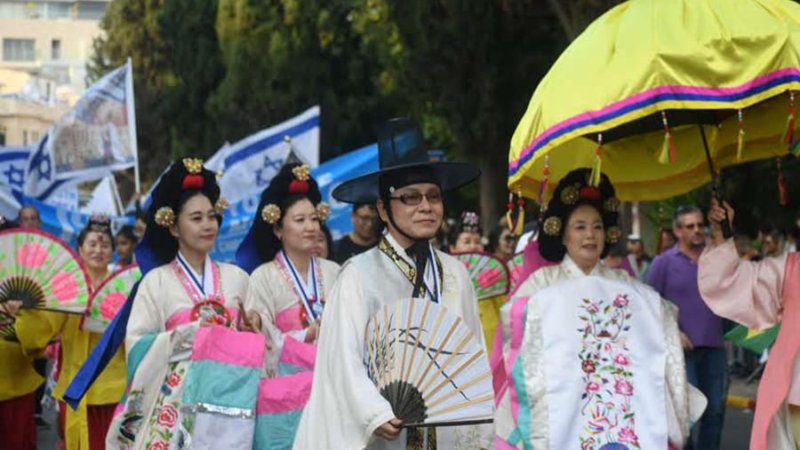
[285,56]
[196,69]
[467,69]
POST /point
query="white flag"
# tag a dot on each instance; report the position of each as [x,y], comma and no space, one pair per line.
[95,137]
[104,199]
[249,165]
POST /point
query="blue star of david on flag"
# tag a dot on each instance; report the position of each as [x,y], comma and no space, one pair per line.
[269,165]
[15,176]
[41,161]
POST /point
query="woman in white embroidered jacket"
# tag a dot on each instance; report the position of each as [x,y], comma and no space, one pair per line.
[591,357]
[289,285]
[182,292]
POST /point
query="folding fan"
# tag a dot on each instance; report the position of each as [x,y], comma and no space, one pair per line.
[109,298]
[7,329]
[42,271]
[489,275]
[515,269]
[428,365]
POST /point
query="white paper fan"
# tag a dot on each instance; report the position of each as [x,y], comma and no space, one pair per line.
[428,365]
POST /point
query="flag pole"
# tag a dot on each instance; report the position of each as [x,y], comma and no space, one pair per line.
[117,199]
[132,125]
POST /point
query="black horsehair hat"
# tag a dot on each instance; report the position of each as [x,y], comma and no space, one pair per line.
[574,190]
[403,159]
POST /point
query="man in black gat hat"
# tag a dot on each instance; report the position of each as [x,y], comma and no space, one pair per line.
[346,410]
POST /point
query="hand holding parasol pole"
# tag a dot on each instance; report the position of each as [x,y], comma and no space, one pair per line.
[727,230]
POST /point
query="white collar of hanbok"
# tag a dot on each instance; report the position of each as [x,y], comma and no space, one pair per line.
[573,271]
[204,281]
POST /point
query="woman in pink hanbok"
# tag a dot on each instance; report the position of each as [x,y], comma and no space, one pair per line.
[760,295]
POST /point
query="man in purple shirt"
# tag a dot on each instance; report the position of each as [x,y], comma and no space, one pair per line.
[674,275]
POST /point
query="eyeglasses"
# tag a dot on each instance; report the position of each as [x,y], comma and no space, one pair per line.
[509,238]
[415,198]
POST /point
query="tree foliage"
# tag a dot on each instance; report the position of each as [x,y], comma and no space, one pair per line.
[285,56]
[468,69]
[216,71]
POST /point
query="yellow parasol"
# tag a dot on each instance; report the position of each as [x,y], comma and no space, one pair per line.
[642,88]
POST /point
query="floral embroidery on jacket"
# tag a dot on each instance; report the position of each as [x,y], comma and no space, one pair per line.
[165,423]
[606,365]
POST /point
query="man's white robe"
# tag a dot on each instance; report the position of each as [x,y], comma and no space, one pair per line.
[345,406]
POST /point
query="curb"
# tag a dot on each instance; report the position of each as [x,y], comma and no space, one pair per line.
[737,401]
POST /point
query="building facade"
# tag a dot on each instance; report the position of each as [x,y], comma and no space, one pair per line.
[45,47]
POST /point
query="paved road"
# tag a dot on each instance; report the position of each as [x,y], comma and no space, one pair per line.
[736,434]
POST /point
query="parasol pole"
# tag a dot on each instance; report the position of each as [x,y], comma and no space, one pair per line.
[727,231]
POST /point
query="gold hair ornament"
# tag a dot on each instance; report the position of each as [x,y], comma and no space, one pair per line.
[323,211]
[165,217]
[193,165]
[271,213]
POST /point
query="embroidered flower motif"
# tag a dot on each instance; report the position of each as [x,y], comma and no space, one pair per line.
[623,387]
[629,436]
[159,445]
[621,359]
[167,416]
[174,379]
[605,363]
[588,444]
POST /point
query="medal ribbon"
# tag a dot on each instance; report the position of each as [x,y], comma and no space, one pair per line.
[301,288]
[193,288]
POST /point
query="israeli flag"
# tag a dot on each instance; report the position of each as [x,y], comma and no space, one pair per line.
[13,162]
[248,166]
[94,138]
